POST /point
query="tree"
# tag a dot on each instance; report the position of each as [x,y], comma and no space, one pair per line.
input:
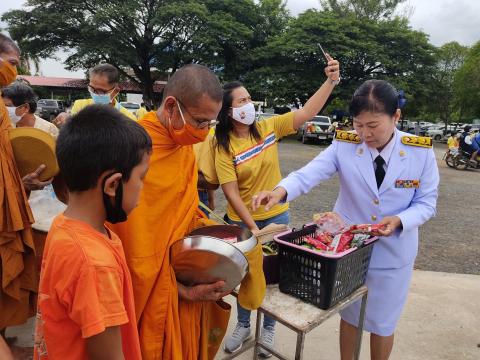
[369,9]
[467,83]
[144,39]
[450,58]
[290,66]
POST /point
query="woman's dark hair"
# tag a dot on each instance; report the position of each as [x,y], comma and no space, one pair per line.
[225,124]
[21,94]
[97,139]
[376,96]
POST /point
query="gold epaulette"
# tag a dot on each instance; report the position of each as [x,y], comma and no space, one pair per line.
[422,141]
[347,136]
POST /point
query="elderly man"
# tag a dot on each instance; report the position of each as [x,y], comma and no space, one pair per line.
[171,316]
[21,103]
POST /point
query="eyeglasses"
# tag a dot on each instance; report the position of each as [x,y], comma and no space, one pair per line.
[99,91]
[202,124]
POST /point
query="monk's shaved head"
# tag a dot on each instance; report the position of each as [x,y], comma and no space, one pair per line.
[191,82]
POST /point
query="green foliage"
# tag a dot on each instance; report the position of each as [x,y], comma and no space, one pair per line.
[467,83]
[366,9]
[138,36]
[260,43]
[291,66]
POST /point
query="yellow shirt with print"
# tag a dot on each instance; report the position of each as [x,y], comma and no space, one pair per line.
[80,104]
[255,165]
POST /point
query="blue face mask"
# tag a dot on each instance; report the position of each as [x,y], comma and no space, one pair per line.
[101,99]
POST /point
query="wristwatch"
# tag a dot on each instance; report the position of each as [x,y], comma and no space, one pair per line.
[335,82]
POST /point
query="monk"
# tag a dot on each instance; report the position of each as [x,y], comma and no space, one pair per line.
[171,316]
[19,278]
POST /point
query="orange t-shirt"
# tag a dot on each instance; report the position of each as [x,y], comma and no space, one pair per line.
[85,287]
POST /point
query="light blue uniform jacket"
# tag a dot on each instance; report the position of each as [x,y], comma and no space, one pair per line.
[359,201]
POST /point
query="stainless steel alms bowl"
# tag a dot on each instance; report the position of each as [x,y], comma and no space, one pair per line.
[202,259]
[246,241]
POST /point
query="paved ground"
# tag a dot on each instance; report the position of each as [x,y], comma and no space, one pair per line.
[441,321]
[450,242]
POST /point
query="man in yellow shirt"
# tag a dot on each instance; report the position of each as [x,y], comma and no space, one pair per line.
[103,88]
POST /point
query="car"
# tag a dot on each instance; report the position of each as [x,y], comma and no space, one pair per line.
[405,125]
[442,133]
[131,106]
[48,109]
[320,127]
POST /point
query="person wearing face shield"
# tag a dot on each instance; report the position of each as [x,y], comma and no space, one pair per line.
[103,86]
[246,161]
[17,251]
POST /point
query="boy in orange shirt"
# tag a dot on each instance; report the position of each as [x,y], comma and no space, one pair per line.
[85,303]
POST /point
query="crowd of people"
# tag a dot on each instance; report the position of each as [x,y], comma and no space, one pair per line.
[107,289]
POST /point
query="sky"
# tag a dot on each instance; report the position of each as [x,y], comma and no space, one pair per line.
[442,20]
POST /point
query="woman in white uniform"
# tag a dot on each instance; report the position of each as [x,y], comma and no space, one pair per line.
[386,176]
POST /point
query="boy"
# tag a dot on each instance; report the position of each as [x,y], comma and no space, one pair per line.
[85,304]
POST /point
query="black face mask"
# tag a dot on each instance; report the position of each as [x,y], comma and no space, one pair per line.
[115,213]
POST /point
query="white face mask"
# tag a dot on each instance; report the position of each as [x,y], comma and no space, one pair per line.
[244,114]
[14,118]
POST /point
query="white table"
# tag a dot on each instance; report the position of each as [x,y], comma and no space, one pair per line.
[300,317]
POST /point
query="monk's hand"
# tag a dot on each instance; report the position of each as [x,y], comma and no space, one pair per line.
[32,182]
[207,292]
[391,223]
[268,198]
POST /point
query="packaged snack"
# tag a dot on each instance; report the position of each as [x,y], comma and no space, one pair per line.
[370,229]
[329,222]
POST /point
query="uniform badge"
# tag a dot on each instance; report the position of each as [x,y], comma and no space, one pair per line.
[422,141]
[407,184]
[360,151]
[347,136]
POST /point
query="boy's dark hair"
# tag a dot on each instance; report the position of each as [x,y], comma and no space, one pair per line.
[21,94]
[97,139]
[110,71]
[376,96]
[225,123]
[8,45]
[191,82]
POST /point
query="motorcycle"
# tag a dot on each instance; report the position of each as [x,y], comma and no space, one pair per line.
[459,159]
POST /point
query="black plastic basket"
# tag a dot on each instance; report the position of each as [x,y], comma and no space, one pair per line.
[319,280]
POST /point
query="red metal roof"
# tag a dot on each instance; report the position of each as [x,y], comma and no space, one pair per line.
[73,83]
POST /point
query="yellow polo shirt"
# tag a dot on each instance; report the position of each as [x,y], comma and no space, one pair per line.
[81,103]
[255,165]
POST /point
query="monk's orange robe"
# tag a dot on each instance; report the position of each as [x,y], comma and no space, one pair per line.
[19,275]
[167,211]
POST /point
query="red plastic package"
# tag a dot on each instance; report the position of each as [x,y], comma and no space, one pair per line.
[325,238]
[316,243]
[371,229]
[345,240]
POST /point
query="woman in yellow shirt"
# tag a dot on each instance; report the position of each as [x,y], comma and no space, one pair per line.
[246,161]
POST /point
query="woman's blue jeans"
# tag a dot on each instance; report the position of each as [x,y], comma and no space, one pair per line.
[243,315]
